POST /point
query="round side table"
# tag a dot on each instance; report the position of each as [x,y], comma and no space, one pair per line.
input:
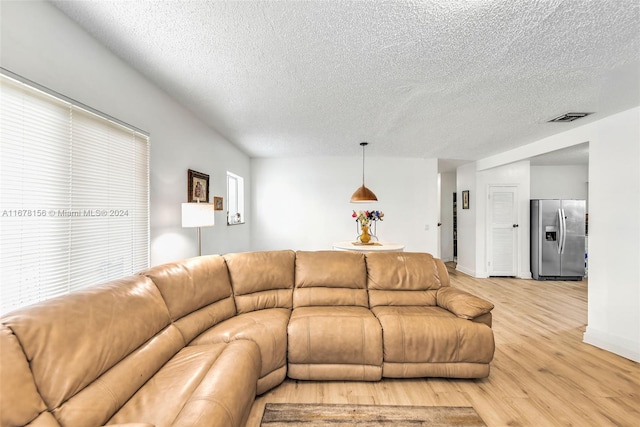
[375,247]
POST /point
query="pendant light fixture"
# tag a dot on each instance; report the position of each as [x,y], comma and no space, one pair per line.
[363,194]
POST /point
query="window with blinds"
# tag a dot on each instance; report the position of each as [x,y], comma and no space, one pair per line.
[74,196]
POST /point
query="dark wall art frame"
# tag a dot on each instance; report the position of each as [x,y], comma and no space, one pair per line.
[197,187]
[465,199]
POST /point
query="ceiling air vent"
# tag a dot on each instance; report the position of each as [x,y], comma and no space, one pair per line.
[568,117]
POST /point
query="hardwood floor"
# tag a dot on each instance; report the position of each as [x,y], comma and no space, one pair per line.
[542,373]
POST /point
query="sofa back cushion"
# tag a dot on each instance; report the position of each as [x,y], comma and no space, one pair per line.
[197,292]
[261,280]
[404,278]
[90,351]
[20,403]
[330,278]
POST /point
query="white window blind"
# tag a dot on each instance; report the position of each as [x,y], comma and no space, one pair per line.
[74,197]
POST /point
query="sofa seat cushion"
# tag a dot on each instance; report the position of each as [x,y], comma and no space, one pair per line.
[415,334]
[267,328]
[212,385]
[350,337]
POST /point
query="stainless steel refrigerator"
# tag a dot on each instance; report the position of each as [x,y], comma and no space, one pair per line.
[558,239]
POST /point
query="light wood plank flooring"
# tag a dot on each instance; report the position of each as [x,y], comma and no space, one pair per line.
[542,373]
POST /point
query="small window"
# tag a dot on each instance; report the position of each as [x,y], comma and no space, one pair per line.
[235,198]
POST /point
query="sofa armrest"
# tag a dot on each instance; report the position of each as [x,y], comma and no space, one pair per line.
[462,303]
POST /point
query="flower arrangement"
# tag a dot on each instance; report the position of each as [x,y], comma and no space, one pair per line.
[365,217]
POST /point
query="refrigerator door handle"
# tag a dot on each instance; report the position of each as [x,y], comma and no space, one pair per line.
[564,231]
[560,218]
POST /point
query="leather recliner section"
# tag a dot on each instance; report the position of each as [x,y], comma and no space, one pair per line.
[332,333]
[263,290]
[421,338]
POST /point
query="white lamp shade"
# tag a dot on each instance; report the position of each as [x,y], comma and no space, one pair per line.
[197,215]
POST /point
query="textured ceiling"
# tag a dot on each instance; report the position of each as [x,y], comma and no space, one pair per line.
[452,79]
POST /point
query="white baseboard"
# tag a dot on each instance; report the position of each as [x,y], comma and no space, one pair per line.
[464,270]
[485,274]
[473,273]
[620,346]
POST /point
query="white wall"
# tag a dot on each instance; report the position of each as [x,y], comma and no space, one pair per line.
[614,225]
[43,45]
[303,203]
[466,180]
[560,182]
[447,188]
[614,235]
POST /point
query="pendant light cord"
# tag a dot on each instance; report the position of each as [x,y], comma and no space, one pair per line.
[363,165]
[364,144]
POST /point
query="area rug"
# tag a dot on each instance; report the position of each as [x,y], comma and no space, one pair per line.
[311,415]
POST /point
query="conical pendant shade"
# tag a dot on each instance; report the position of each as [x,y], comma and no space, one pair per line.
[363,194]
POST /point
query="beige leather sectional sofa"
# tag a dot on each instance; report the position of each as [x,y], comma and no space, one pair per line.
[191,343]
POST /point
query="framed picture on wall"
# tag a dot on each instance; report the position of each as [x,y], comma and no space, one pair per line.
[217,203]
[197,187]
[465,199]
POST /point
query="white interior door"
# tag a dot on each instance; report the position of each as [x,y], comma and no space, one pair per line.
[502,239]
